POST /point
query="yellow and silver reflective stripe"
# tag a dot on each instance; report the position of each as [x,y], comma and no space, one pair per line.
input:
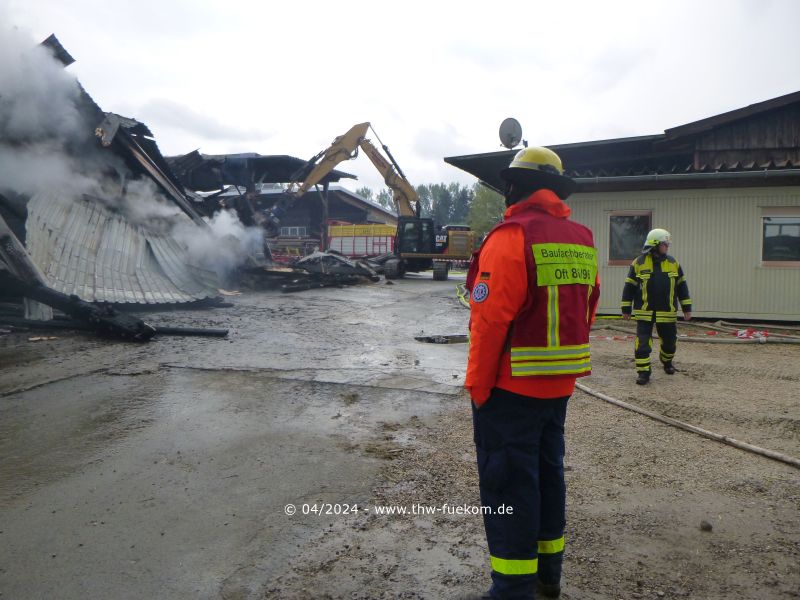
[506,566]
[666,316]
[522,353]
[686,302]
[552,315]
[633,281]
[672,293]
[551,546]
[542,360]
[681,279]
[626,303]
[553,367]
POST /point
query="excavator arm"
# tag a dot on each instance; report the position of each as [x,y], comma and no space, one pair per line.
[405,196]
[345,147]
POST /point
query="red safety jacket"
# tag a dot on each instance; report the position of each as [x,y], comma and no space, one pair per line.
[534,290]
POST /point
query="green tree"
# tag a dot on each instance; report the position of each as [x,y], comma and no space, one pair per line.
[462,200]
[365,192]
[446,203]
[384,198]
[486,209]
[442,204]
[425,200]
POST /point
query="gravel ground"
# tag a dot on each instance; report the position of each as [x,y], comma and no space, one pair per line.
[653,511]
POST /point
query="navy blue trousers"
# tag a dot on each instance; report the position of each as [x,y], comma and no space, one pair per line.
[520,450]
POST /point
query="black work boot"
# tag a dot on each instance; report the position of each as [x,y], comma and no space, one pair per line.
[643,378]
[668,368]
[548,590]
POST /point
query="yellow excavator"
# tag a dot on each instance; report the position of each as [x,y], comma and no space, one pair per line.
[418,247]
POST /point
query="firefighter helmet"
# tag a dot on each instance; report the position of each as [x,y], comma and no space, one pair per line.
[537,167]
[656,237]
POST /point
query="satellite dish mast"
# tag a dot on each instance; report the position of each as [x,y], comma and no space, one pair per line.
[510,133]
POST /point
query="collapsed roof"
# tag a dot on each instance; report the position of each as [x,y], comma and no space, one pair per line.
[89,193]
[208,172]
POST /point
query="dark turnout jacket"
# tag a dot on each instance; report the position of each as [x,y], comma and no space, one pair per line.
[655,285]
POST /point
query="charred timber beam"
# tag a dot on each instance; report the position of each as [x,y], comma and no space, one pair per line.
[80,326]
[102,319]
[25,278]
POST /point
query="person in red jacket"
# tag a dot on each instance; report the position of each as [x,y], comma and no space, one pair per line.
[533,294]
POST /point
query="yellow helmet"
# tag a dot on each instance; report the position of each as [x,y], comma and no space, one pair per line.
[536,168]
[656,237]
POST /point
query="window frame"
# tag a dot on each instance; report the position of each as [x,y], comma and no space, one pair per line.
[625,262]
[298,228]
[781,212]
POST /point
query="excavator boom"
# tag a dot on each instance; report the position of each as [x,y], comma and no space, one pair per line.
[345,147]
[405,196]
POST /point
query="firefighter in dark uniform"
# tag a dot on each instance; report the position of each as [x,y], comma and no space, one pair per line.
[653,289]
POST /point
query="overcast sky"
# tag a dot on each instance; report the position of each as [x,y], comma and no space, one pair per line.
[434,78]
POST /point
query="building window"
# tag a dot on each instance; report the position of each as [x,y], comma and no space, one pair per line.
[293,231]
[627,233]
[780,237]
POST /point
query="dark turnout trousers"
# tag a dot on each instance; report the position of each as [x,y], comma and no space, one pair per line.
[667,332]
[520,450]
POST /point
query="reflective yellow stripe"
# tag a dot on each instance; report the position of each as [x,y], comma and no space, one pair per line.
[648,265]
[626,303]
[686,302]
[672,293]
[506,566]
[521,353]
[553,367]
[551,546]
[633,281]
[552,315]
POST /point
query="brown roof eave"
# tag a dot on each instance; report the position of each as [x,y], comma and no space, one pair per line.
[734,115]
[763,178]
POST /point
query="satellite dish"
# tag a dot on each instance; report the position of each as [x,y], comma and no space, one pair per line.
[510,133]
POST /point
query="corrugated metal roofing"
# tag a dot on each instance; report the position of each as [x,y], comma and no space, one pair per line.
[84,249]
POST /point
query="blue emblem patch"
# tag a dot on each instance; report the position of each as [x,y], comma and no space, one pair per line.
[480,292]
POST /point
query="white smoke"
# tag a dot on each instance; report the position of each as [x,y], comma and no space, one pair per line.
[38,116]
[224,246]
[42,167]
[39,98]
[47,146]
[142,204]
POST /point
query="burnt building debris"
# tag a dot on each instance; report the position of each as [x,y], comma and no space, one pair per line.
[257,187]
[326,269]
[91,214]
